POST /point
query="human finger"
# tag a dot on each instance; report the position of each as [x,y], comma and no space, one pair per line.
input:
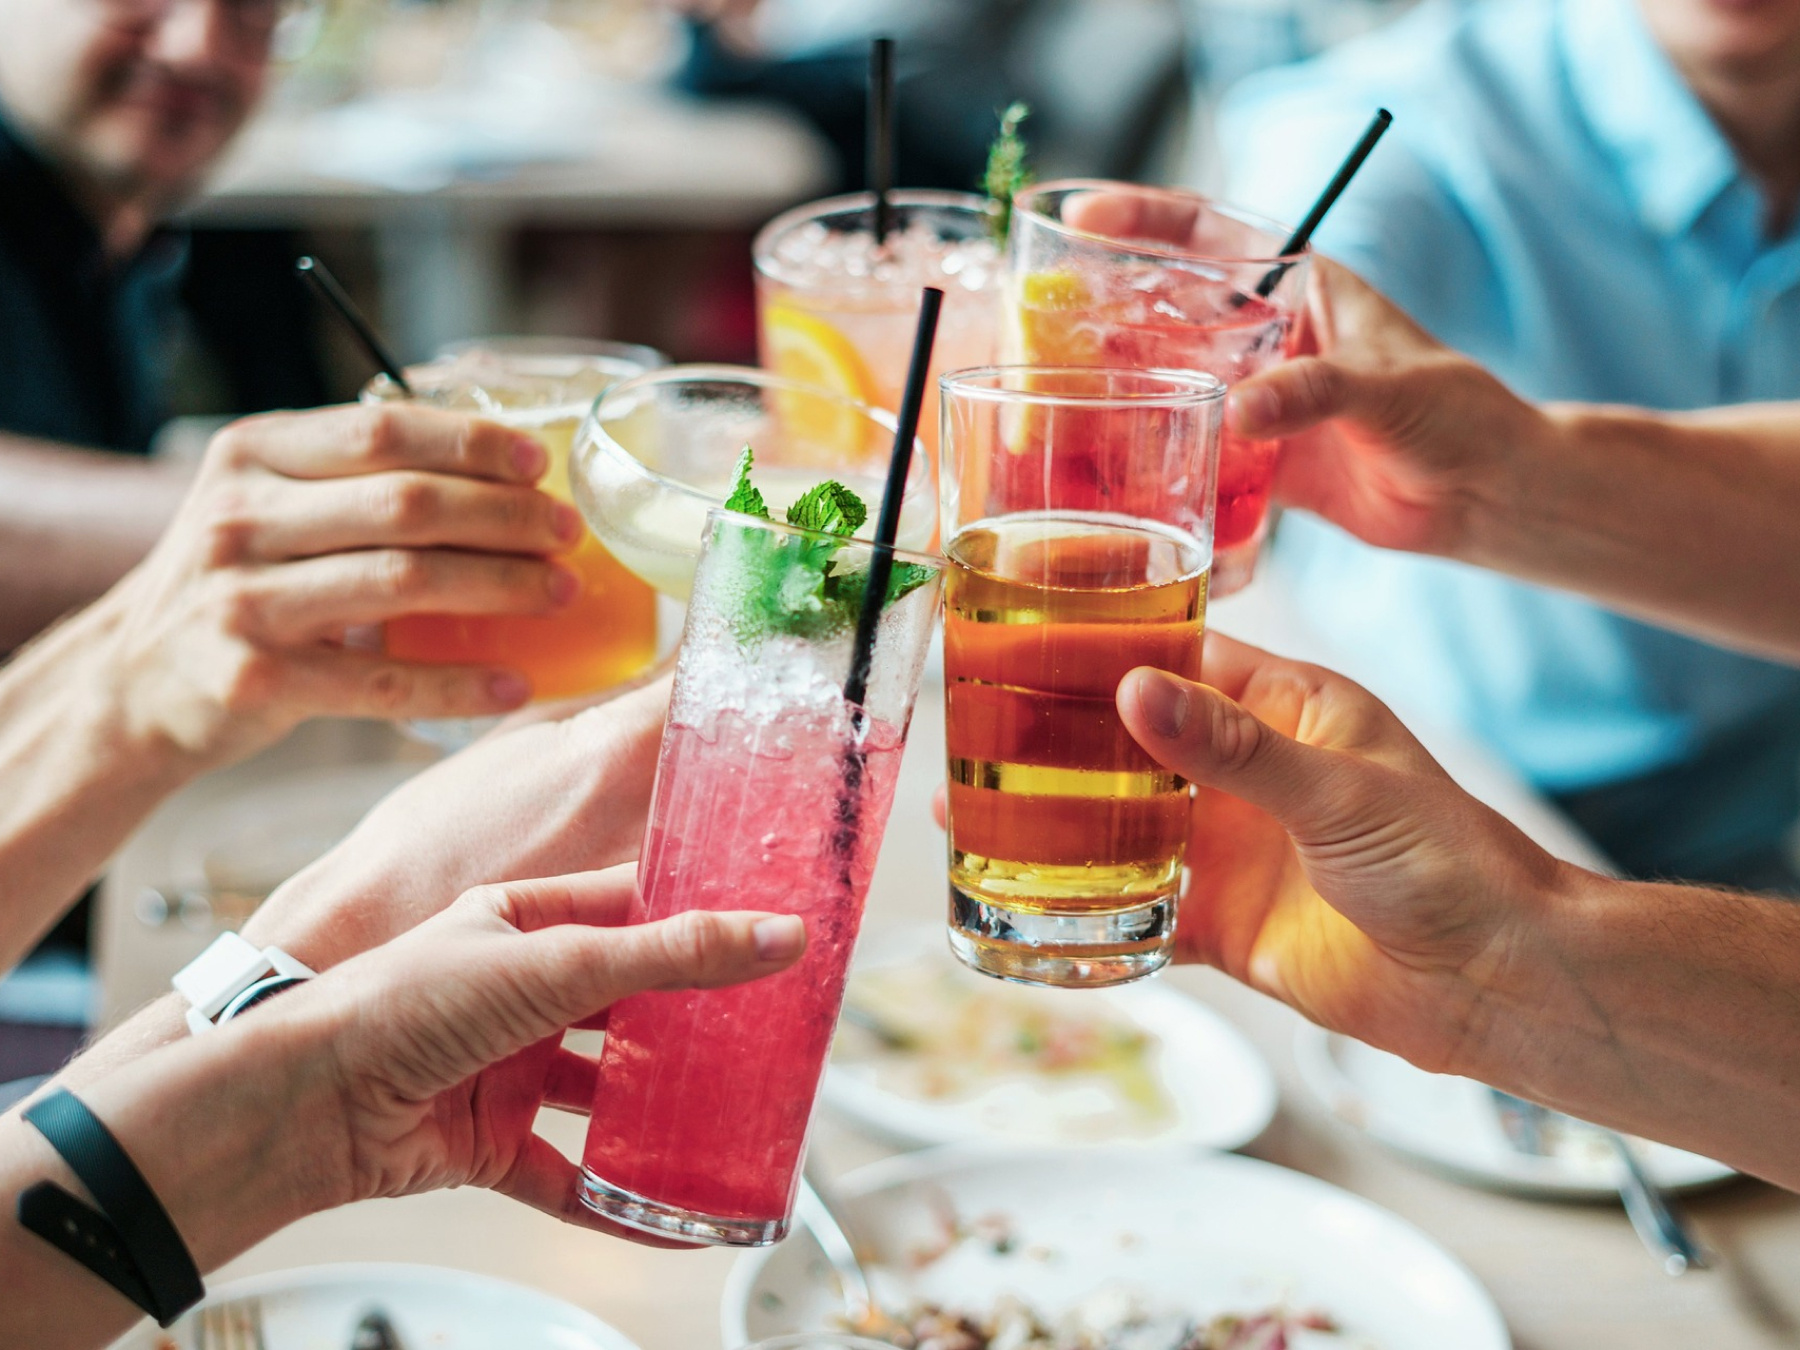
[1297,395]
[353,440]
[1121,213]
[940,806]
[318,597]
[577,971]
[569,1080]
[408,509]
[1216,742]
[601,899]
[340,683]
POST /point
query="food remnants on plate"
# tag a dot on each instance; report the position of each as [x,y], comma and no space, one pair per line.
[1076,1068]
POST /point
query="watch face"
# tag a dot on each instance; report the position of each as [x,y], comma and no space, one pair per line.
[258,992]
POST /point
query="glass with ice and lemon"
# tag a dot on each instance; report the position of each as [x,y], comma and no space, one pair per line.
[836,309]
[1115,274]
[658,452]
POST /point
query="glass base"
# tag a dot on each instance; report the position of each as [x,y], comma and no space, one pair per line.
[1069,951]
[450,734]
[653,1216]
[1233,568]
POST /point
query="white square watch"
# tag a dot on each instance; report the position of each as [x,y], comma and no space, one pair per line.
[232,975]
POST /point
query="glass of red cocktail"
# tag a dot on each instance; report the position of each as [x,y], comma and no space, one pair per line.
[1078,509]
[772,793]
[1114,274]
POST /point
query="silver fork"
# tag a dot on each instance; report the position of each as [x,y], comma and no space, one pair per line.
[231,1326]
[1655,1217]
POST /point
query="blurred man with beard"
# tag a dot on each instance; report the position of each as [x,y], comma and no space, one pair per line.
[1597,200]
[111,113]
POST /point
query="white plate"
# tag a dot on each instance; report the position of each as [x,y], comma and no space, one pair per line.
[1221,1090]
[1450,1124]
[318,1307]
[1195,1233]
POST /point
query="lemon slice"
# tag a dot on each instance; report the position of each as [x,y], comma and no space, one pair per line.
[1053,321]
[807,349]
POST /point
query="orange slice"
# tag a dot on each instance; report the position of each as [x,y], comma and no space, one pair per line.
[807,349]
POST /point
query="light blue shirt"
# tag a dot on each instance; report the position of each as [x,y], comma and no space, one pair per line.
[1553,201]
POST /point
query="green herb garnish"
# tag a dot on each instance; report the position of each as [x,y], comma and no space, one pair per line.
[830,508]
[744,497]
[788,583]
[1008,170]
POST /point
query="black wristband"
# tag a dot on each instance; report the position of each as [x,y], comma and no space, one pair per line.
[131,1243]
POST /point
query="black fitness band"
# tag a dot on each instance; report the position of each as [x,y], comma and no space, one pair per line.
[131,1243]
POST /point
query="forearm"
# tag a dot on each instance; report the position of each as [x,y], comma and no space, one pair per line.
[230,1130]
[75,777]
[72,522]
[1684,520]
[1667,1011]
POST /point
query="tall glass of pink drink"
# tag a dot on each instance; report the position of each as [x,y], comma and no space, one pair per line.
[771,794]
[1115,274]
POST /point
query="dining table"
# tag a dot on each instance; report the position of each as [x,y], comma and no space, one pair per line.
[1565,1276]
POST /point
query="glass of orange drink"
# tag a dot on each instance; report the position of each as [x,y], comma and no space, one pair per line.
[543,386]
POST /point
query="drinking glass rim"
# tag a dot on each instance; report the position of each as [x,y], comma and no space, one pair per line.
[1198,388]
[722,374]
[762,246]
[1023,203]
[549,347]
[935,562]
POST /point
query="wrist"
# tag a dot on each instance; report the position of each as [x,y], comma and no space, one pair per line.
[1529,998]
[321,915]
[237,1131]
[1508,497]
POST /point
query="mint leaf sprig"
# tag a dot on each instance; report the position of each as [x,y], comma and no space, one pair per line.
[789,584]
[1008,171]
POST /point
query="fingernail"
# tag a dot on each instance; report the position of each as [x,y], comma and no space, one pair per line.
[1164,702]
[508,689]
[529,457]
[567,523]
[1250,410]
[778,939]
[563,585]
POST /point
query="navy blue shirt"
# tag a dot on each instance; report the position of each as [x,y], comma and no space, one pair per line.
[81,336]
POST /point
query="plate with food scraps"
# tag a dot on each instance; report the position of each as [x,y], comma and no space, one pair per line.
[929,1052]
[1459,1127]
[1118,1249]
[322,1307]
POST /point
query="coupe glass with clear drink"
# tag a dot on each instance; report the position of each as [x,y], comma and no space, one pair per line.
[1113,274]
[771,793]
[837,310]
[658,452]
[1078,507]
[607,634]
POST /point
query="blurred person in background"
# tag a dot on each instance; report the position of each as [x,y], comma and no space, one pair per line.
[111,114]
[1596,199]
[1104,78]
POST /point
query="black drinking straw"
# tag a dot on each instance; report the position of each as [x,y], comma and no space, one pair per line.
[887,524]
[881,568]
[1303,234]
[312,270]
[881,133]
